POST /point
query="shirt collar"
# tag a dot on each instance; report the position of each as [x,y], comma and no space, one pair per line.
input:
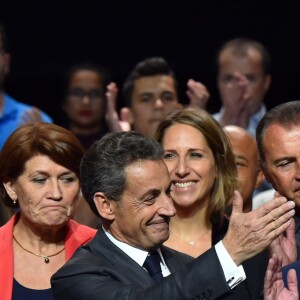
[138,255]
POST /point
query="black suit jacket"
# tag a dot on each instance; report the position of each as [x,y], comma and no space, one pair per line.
[255,270]
[100,270]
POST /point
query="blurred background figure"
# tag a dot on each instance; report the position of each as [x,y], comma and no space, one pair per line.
[150,93]
[246,156]
[39,172]
[244,78]
[84,103]
[243,81]
[204,176]
[12,112]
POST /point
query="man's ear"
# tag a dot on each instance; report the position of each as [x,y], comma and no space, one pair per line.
[264,171]
[104,206]
[259,178]
[268,81]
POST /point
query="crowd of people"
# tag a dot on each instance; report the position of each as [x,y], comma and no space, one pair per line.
[154,200]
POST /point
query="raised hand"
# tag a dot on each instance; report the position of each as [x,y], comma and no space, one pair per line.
[274,287]
[197,93]
[235,102]
[111,115]
[31,116]
[250,233]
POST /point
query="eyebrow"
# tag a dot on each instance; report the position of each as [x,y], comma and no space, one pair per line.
[241,157]
[283,158]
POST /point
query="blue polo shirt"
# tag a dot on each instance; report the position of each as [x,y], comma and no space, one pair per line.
[11,117]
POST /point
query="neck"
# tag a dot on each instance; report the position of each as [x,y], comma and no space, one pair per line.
[191,224]
[38,237]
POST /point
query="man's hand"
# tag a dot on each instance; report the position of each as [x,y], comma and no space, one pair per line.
[197,93]
[111,114]
[250,233]
[235,99]
[285,245]
[274,287]
[31,116]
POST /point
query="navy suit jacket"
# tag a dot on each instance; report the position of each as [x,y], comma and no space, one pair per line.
[100,270]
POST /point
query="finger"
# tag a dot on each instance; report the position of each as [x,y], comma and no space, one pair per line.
[269,206]
[277,213]
[237,203]
[292,282]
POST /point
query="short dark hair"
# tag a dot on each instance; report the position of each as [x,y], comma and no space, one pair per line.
[240,46]
[103,166]
[148,67]
[86,66]
[286,115]
[3,38]
[60,144]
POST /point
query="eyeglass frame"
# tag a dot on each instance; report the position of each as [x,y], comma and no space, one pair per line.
[71,94]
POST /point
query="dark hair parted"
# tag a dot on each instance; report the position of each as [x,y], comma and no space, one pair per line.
[286,115]
[103,166]
[240,47]
[148,67]
[56,142]
[226,180]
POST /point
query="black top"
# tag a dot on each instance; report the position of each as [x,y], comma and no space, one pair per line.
[21,292]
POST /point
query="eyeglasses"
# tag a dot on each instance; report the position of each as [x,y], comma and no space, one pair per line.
[79,94]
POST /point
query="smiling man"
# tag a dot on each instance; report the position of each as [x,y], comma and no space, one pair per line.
[126,182]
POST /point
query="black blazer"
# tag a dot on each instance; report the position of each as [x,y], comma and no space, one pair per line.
[255,269]
[100,270]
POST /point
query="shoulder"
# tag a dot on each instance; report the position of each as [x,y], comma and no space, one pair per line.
[80,231]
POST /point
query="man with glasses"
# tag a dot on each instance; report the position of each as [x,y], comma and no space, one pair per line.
[13,113]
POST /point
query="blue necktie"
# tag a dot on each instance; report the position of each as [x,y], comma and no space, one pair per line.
[152,265]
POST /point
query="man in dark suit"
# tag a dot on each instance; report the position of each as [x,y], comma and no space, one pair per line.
[126,182]
[278,140]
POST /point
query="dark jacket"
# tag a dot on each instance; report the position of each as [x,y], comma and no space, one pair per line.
[100,270]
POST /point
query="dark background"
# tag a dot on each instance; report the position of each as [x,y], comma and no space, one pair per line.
[47,37]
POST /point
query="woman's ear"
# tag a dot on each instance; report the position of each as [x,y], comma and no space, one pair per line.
[10,188]
[104,206]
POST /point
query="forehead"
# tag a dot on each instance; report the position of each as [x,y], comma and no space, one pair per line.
[146,175]
[252,59]
[182,134]
[280,141]
[242,143]
[86,78]
[152,84]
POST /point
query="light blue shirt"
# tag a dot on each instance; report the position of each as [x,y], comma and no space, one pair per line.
[11,117]
[253,121]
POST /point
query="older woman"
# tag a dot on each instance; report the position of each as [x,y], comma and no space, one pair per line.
[204,176]
[39,171]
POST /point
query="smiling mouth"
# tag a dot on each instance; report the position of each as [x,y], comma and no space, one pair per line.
[184,184]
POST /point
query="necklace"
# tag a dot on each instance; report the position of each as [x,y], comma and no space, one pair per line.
[45,257]
[192,243]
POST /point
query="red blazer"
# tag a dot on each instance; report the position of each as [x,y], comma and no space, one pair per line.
[76,236]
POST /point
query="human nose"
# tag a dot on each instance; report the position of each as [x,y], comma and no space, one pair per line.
[182,167]
[158,103]
[86,98]
[167,207]
[55,190]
